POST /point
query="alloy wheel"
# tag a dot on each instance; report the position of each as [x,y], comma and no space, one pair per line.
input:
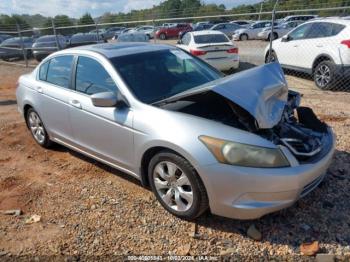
[36,127]
[323,75]
[173,186]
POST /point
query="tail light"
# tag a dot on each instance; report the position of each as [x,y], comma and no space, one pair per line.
[346,42]
[233,50]
[197,52]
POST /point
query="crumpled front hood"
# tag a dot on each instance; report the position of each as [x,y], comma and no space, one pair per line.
[262,91]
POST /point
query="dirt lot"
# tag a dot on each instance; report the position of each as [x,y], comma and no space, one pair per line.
[87,208]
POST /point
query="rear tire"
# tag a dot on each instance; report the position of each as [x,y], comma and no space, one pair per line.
[324,75]
[37,128]
[274,37]
[177,185]
[162,36]
[273,57]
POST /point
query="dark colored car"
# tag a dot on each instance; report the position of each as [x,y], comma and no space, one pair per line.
[4,37]
[199,27]
[85,39]
[46,45]
[171,32]
[12,48]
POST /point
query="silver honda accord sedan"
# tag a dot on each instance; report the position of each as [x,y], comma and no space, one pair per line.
[240,145]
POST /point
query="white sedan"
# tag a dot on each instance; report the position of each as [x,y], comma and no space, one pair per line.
[213,47]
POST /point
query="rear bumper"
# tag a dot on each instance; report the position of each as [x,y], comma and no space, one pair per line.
[249,193]
[227,63]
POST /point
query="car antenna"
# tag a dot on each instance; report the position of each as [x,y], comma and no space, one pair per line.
[272,29]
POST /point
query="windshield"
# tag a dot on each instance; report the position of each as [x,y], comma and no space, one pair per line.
[210,39]
[154,76]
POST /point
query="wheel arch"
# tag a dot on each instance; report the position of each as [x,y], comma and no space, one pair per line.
[26,107]
[150,152]
[320,58]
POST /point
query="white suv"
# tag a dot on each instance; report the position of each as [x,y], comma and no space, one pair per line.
[320,48]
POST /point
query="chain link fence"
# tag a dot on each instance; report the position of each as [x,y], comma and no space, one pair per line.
[319,52]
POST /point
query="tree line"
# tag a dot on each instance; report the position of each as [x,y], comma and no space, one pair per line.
[170,9]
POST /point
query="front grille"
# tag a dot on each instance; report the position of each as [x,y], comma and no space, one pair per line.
[299,148]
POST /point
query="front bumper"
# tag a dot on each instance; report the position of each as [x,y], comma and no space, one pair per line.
[249,193]
[223,64]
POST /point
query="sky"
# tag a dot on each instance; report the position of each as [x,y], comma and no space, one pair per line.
[75,8]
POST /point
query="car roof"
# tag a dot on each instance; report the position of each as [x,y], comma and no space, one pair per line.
[331,20]
[110,50]
[206,32]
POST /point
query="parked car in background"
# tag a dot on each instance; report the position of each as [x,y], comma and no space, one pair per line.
[85,39]
[243,23]
[112,31]
[146,29]
[226,28]
[297,18]
[320,48]
[133,37]
[11,48]
[45,45]
[213,47]
[200,27]
[99,31]
[251,32]
[4,37]
[173,31]
[117,34]
[239,146]
[168,25]
[278,30]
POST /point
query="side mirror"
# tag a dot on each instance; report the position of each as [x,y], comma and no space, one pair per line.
[104,99]
[285,38]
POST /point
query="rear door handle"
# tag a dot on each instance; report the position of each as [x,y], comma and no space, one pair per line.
[39,89]
[75,103]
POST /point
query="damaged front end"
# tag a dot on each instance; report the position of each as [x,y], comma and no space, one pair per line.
[258,101]
[299,130]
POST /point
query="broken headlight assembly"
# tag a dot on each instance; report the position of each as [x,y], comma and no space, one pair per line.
[238,154]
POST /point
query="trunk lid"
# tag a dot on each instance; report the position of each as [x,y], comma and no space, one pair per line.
[213,51]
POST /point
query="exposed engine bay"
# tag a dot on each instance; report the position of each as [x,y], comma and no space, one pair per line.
[298,129]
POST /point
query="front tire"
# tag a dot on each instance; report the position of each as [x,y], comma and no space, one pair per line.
[243,37]
[162,36]
[177,185]
[324,75]
[37,128]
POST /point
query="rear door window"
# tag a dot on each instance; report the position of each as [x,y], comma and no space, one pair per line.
[59,71]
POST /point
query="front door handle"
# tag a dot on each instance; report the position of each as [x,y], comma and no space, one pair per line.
[75,103]
[39,89]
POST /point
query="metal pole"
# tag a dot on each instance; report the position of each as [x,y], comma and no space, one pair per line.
[98,35]
[22,45]
[154,32]
[272,29]
[261,5]
[55,33]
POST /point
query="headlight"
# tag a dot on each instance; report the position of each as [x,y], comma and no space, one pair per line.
[234,153]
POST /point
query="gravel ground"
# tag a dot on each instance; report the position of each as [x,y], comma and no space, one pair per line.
[88,208]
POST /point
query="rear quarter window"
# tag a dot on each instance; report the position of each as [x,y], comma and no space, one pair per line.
[43,71]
